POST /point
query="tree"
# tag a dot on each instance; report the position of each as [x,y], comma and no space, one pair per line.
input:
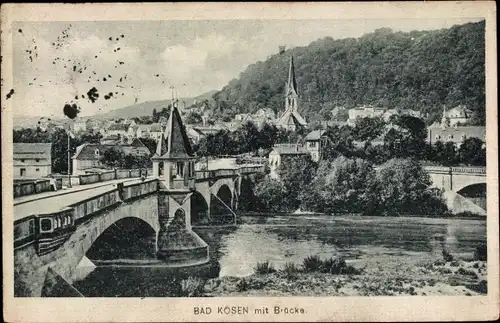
[450,154]
[270,195]
[368,129]
[472,152]
[344,185]
[405,188]
[296,172]
[339,142]
[113,158]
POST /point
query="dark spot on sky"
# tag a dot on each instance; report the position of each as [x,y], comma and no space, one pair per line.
[117,38]
[104,79]
[20,30]
[76,97]
[74,68]
[121,63]
[122,36]
[71,111]
[92,94]
[95,56]
[110,38]
[118,48]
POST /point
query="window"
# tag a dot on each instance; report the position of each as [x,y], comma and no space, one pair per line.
[37,160]
[450,137]
[464,137]
[96,152]
[46,224]
[312,144]
[438,137]
[22,171]
[38,169]
[180,169]
[22,160]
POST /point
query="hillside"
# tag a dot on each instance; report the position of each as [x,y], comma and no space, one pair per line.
[146,108]
[420,70]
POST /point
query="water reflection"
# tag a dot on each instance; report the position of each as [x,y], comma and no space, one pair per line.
[235,251]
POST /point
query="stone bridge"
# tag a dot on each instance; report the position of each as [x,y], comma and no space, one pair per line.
[464,187]
[51,241]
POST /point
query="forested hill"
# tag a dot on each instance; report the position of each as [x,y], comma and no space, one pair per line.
[419,70]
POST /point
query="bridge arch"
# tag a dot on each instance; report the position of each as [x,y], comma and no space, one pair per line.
[461,182]
[225,194]
[128,237]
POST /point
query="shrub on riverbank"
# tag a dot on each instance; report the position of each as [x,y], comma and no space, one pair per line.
[263,268]
[481,252]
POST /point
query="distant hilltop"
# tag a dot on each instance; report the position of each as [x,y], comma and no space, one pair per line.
[146,108]
[417,70]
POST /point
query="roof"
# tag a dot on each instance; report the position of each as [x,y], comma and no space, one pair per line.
[174,142]
[119,126]
[457,132]
[292,82]
[315,135]
[291,116]
[289,149]
[32,150]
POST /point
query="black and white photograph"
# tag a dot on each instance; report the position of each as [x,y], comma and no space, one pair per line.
[249,157]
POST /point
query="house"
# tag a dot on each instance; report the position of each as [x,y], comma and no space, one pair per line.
[264,114]
[458,115]
[111,140]
[89,156]
[120,129]
[314,144]
[155,131]
[281,152]
[455,134]
[365,112]
[400,112]
[32,160]
[143,131]
[291,118]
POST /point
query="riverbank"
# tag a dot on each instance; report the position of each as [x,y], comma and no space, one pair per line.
[395,277]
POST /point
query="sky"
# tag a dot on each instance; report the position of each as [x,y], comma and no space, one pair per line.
[57,62]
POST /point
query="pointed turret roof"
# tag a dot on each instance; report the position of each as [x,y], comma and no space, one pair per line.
[292,82]
[174,142]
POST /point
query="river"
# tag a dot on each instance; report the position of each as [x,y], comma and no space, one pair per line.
[361,240]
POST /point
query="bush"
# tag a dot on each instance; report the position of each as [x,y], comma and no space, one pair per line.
[312,263]
[447,257]
[192,287]
[242,285]
[334,265]
[465,272]
[263,268]
[290,271]
[481,252]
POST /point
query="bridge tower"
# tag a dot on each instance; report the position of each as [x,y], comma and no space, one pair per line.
[173,165]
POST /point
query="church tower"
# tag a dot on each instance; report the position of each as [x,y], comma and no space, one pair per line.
[291,118]
[291,95]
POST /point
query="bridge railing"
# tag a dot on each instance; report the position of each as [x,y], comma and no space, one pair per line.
[445,169]
[474,170]
[95,204]
[139,189]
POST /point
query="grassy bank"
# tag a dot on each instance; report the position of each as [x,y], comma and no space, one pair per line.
[336,277]
[457,277]
[448,215]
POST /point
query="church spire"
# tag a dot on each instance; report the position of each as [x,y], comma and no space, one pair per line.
[444,118]
[292,82]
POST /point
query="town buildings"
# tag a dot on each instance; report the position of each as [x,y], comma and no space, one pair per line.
[291,118]
[32,160]
[88,156]
[452,131]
